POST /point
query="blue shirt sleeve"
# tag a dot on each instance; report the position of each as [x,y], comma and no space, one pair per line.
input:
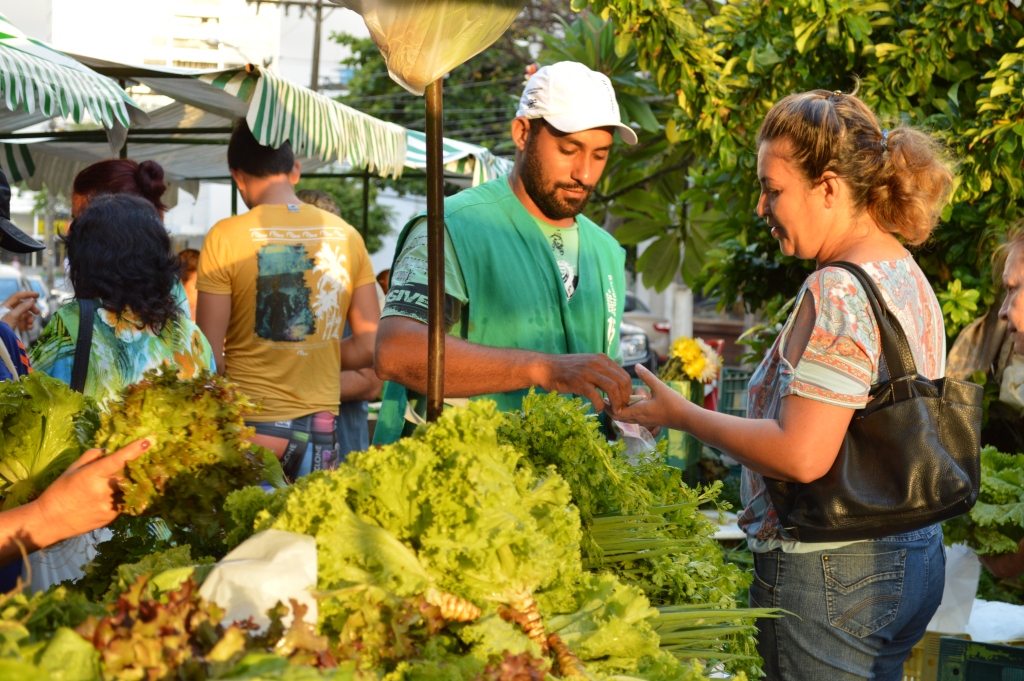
[15,350]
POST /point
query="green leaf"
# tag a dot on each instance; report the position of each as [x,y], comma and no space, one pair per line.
[660,262]
[636,231]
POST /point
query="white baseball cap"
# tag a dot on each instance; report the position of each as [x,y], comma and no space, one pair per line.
[572,98]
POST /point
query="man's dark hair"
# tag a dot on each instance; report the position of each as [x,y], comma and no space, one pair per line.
[119,252]
[246,154]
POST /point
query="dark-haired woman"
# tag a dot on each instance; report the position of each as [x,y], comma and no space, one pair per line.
[125,176]
[835,186]
[119,255]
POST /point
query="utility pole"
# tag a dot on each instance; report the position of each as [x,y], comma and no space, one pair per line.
[314,84]
[317,9]
[49,213]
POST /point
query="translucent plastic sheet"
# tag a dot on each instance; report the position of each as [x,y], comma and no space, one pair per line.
[267,567]
[422,40]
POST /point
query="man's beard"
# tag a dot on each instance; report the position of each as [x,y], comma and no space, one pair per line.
[547,199]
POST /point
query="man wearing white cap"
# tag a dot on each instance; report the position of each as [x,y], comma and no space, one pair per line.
[534,289]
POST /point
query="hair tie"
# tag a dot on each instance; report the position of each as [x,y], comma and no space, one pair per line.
[837,92]
[885,138]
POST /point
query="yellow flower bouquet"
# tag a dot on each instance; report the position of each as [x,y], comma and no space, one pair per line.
[691,359]
[691,365]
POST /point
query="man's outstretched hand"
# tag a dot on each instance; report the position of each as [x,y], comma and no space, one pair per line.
[585,375]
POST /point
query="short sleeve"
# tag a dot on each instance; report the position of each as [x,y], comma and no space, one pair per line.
[214,272]
[54,352]
[840,362]
[362,273]
[407,296]
[16,351]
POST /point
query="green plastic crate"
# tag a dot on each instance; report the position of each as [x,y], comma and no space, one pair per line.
[961,660]
[732,392]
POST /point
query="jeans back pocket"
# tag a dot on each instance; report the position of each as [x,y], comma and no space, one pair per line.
[863,591]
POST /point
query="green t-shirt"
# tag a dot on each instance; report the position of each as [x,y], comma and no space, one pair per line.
[565,246]
[407,296]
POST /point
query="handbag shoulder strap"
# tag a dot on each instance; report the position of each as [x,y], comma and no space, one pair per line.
[83,345]
[899,360]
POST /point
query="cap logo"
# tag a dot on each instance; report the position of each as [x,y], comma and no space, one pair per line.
[531,103]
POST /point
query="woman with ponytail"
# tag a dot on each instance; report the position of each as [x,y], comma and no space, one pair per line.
[836,185]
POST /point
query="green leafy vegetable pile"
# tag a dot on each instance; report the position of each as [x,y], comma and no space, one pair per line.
[641,523]
[465,539]
[44,428]
[486,547]
[200,455]
[996,523]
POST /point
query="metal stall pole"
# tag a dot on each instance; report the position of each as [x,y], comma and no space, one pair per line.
[435,251]
[366,203]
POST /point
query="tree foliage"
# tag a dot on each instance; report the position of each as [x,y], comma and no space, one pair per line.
[953,67]
[480,96]
[348,195]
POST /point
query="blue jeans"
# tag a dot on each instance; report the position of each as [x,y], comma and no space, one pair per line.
[857,610]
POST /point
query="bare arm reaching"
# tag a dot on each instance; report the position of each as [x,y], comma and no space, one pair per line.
[472,369]
[80,500]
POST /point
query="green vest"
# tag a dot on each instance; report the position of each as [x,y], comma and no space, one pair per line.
[516,296]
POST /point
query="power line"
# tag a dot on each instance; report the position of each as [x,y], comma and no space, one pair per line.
[460,86]
[502,109]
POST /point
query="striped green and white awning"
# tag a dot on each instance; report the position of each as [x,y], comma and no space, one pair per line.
[460,158]
[16,162]
[319,126]
[38,83]
[278,110]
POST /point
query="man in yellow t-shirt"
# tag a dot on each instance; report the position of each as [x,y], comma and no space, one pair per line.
[276,286]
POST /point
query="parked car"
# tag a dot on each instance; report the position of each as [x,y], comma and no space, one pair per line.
[12,281]
[47,302]
[657,327]
[636,349]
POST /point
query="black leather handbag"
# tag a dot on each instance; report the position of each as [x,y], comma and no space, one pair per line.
[911,456]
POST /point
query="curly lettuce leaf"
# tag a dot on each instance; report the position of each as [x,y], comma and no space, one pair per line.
[996,523]
[44,427]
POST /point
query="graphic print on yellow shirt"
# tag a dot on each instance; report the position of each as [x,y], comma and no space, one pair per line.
[290,271]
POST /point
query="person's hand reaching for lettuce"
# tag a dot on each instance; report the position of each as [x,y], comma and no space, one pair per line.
[82,499]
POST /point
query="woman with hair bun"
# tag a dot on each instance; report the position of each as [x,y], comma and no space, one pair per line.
[125,176]
[835,186]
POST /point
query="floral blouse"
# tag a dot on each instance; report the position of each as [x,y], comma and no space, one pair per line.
[839,365]
[122,349]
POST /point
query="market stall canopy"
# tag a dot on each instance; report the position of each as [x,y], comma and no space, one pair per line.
[189,154]
[40,83]
[278,110]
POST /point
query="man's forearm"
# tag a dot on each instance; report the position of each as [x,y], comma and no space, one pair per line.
[357,352]
[218,355]
[469,369]
[359,385]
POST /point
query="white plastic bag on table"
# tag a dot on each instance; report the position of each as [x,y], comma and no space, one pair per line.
[640,444]
[962,572]
[268,567]
[421,40]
